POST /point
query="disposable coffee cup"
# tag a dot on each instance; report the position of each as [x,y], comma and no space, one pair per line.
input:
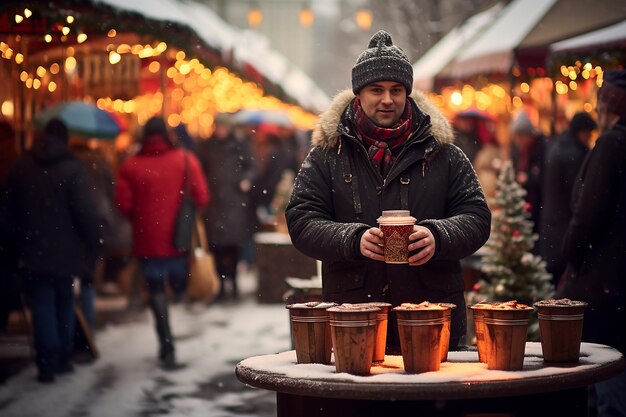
[397,226]
[311,331]
[561,329]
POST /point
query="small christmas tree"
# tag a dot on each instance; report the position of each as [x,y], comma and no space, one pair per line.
[512,272]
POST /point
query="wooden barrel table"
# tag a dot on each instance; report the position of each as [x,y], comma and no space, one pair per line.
[462,387]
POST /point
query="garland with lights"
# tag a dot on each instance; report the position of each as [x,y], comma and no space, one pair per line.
[50,20]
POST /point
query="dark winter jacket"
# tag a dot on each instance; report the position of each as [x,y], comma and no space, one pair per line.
[563,160]
[52,212]
[226,163]
[595,244]
[339,194]
[149,191]
[116,230]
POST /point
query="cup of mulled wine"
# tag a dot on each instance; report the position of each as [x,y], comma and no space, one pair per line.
[480,328]
[561,328]
[353,331]
[382,318]
[397,226]
[445,332]
[506,327]
[311,331]
[420,327]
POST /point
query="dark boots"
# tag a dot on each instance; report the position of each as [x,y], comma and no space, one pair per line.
[158,304]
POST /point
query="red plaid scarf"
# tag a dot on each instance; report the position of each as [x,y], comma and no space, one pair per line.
[383,140]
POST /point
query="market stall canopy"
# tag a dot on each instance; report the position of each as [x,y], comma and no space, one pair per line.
[611,36]
[232,42]
[254,48]
[444,51]
[523,32]
[572,18]
[492,51]
[565,20]
[205,23]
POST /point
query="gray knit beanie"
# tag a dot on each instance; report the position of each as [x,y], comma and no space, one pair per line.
[382,61]
[522,125]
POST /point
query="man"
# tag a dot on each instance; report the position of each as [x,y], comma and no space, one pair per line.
[149,191]
[51,212]
[229,170]
[563,159]
[594,244]
[377,149]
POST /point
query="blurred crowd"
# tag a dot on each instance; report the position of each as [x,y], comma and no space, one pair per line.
[545,166]
[82,217]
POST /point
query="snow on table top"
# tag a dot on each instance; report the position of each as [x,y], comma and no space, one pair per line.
[272,238]
[461,367]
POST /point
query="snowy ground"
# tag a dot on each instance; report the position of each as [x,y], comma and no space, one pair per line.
[125,381]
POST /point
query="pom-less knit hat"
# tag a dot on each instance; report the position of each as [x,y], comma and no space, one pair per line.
[613,92]
[522,125]
[382,61]
[155,126]
[582,122]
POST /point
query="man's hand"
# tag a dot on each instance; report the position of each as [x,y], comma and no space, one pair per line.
[423,243]
[371,244]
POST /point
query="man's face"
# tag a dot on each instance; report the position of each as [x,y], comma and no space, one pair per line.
[383,102]
[606,120]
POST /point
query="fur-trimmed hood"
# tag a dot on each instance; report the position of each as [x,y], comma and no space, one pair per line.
[325,132]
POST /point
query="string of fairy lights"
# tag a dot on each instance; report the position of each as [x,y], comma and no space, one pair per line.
[192,94]
[498,98]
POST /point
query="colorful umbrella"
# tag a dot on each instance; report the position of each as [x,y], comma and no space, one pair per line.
[256,117]
[81,119]
[475,114]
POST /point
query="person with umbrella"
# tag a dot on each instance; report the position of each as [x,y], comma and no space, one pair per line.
[81,119]
[50,213]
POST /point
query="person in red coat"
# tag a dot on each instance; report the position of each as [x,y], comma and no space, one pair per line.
[149,192]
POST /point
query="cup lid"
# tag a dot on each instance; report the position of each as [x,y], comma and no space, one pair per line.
[396,217]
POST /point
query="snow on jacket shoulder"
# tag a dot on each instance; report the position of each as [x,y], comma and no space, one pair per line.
[149,192]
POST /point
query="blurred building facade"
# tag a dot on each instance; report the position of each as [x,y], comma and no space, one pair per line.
[340,29]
